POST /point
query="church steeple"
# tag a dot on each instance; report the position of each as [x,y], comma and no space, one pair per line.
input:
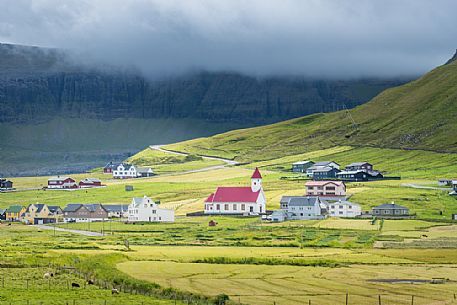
[256,181]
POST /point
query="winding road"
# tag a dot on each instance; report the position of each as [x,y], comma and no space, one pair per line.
[226,161]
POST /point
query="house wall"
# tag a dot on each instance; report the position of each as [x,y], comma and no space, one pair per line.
[304,212]
[149,212]
[121,173]
[344,210]
[326,190]
[390,212]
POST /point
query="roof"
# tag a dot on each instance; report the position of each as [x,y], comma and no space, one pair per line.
[357,164]
[303,201]
[53,208]
[90,180]
[39,207]
[210,198]
[72,207]
[116,207]
[302,162]
[14,209]
[323,169]
[234,194]
[285,199]
[324,163]
[59,178]
[143,169]
[256,174]
[127,166]
[391,206]
[111,165]
[139,200]
[279,213]
[340,202]
[322,183]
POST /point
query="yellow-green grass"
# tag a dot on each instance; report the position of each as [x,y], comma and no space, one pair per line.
[27,286]
[262,284]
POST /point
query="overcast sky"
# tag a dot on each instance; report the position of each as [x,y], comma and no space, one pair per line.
[331,38]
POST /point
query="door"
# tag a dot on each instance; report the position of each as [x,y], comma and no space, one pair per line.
[251,209]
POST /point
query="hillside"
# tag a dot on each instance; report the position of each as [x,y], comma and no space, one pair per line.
[418,115]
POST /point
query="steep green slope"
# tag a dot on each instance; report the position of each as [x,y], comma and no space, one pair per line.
[419,115]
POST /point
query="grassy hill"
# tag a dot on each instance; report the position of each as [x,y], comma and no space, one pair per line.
[419,115]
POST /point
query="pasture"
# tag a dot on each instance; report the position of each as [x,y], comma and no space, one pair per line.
[262,284]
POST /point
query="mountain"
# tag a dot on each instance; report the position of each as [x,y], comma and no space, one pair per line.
[39,84]
[50,100]
[420,115]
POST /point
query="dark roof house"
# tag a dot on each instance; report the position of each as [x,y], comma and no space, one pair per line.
[391,210]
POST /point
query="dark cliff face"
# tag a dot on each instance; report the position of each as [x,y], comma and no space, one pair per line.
[39,84]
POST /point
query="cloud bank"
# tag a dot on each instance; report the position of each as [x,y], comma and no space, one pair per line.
[317,38]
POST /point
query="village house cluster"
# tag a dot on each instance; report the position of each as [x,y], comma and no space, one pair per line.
[449,182]
[358,171]
[68,183]
[142,209]
[127,171]
[321,199]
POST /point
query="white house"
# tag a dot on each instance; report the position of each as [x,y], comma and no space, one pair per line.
[343,208]
[126,171]
[238,200]
[62,183]
[146,210]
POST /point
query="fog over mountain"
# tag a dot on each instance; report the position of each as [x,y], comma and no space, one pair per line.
[325,38]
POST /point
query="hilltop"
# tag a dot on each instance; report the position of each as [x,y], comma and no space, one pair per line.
[420,115]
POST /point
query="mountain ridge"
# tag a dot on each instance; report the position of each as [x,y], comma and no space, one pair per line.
[419,115]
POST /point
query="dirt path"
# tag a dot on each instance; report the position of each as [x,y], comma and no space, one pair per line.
[418,186]
[159,148]
[226,161]
[80,232]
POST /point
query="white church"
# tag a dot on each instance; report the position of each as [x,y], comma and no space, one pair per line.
[238,200]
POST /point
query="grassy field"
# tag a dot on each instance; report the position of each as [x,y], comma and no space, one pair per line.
[267,284]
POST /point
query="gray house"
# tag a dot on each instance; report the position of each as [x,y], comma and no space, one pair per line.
[301,166]
[303,208]
[284,202]
[325,172]
[391,210]
[359,166]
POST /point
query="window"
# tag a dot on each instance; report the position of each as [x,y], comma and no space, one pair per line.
[234,207]
[243,207]
[341,207]
[350,207]
[226,207]
[332,206]
[154,211]
[341,212]
[218,207]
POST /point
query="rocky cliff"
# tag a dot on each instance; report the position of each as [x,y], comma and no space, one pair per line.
[39,84]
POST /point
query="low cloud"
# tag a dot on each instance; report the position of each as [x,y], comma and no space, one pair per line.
[320,38]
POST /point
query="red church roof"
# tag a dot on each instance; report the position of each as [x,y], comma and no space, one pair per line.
[256,174]
[234,194]
[210,198]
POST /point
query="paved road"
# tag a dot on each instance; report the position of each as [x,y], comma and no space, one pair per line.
[226,161]
[80,232]
[418,186]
